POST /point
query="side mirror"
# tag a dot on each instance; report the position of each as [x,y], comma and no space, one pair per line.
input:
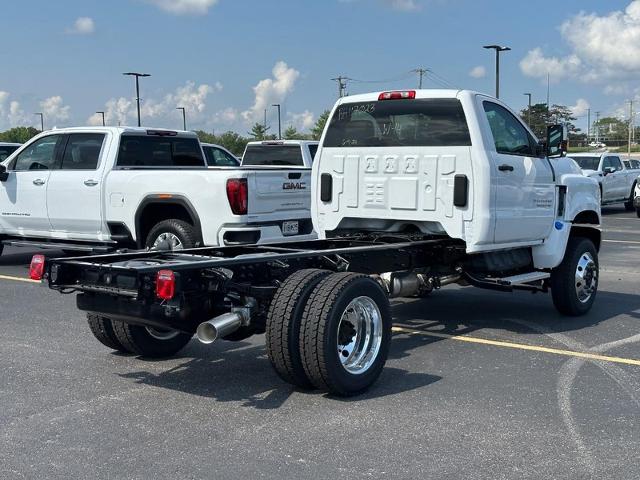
[557,137]
[4,176]
[608,170]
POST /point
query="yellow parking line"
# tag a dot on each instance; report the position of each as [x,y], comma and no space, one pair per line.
[18,279]
[519,346]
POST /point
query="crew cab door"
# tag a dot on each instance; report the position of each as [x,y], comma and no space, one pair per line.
[23,196]
[524,185]
[74,197]
[614,184]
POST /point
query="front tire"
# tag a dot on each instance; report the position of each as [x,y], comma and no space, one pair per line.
[150,342]
[574,283]
[102,329]
[171,234]
[628,205]
[345,333]
[283,325]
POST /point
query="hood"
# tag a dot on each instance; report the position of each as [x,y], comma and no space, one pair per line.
[590,173]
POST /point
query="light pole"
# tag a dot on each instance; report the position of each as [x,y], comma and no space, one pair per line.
[41,120]
[184,117]
[103,122]
[498,49]
[137,75]
[529,111]
[279,121]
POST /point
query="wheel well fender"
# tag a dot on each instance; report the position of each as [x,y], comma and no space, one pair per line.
[156,208]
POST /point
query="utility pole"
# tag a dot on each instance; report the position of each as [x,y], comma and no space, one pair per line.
[548,91]
[588,124]
[529,111]
[597,127]
[41,120]
[265,120]
[137,75]
[342,85]
[279,121]
[184,117]
[498,49]
[630,127]
[421,72]
[103,122]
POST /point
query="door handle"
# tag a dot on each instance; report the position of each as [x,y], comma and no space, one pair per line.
[38,181]
[505,168]
[90,183]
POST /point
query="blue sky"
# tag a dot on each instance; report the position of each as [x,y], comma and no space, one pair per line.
[226,59]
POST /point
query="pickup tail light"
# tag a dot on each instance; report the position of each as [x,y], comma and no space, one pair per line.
[238,195]
[36,269]
[398,95]
[165,284]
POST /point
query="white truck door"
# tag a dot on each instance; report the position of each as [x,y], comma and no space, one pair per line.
[525,189]
[614,183]
[23,197]
[74,195]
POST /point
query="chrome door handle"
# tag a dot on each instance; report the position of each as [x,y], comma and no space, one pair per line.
[90,183]
[38,181]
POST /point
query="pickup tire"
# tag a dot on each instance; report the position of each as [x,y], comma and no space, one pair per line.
[574,283]
[345,333]
[102,329]
[149,342]
[177,234]
[628,205]
[283,325]
[637,214]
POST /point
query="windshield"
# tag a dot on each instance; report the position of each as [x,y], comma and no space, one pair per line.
[269,155]
[399,123]
[587,163]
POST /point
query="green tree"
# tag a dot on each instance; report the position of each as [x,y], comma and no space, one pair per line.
[611,128]
[541,117]
[292,133]
[232,141]
[259,132]
[19,134]
[318,128]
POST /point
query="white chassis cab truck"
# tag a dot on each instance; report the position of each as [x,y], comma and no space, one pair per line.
[412,190]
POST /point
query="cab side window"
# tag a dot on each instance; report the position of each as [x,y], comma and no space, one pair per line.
[217,157]
[40,155]
[509,135]
[82,151]
[612,162]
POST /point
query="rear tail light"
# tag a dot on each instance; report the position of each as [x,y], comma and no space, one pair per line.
[165,284]
[398,95]
[238,195]
[36,269]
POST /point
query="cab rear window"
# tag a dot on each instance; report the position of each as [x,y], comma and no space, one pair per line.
[270,155]
[399,123]
[137,151]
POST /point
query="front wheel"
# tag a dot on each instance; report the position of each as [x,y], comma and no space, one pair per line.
[574,283]
[637,214]
[345,333]
[628,205]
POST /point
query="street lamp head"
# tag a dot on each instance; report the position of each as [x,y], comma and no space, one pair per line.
[498,48]
[135,74]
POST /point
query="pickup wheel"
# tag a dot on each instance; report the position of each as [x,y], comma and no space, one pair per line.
[574,283]
[628,205]
[637,214]
[283,325]
[171,234]
[102,329]
[148,341]
[345,333]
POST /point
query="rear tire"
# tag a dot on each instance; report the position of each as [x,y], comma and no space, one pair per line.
[102,329]
[628,205]
[574,283]
[637,214]
[283,325]
[148,342]
[172,234]
[345,333]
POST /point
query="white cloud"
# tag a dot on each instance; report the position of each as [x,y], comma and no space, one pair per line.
[54,109]
[302,121]
[403,5]
[478,72]
[82,26]
[580,108]
[184,7]
[117,111]
[272,90]
[536,65]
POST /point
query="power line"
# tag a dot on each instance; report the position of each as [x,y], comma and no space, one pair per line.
[421,72]
[342,85]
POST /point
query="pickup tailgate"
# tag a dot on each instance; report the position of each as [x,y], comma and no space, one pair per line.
[280,193]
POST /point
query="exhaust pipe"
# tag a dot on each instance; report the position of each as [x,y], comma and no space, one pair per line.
[219,327]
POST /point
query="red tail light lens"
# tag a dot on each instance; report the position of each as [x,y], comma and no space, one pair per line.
[165,285]
[398,95]
[238,195]
[36,269]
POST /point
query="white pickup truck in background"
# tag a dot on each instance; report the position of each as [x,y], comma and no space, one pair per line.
[99,188]
[7,149]
[617,177]
[280,153]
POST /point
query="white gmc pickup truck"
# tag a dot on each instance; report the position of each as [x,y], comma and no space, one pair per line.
[617,177]
[98,188]
[412,191]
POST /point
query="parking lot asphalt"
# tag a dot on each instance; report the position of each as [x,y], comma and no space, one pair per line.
[478,385]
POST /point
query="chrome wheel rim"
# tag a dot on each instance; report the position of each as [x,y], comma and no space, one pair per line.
[170,239]
[586,279]
[161,333]
[359,335]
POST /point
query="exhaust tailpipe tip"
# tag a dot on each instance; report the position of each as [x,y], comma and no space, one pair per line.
[207,333]
[219,327]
